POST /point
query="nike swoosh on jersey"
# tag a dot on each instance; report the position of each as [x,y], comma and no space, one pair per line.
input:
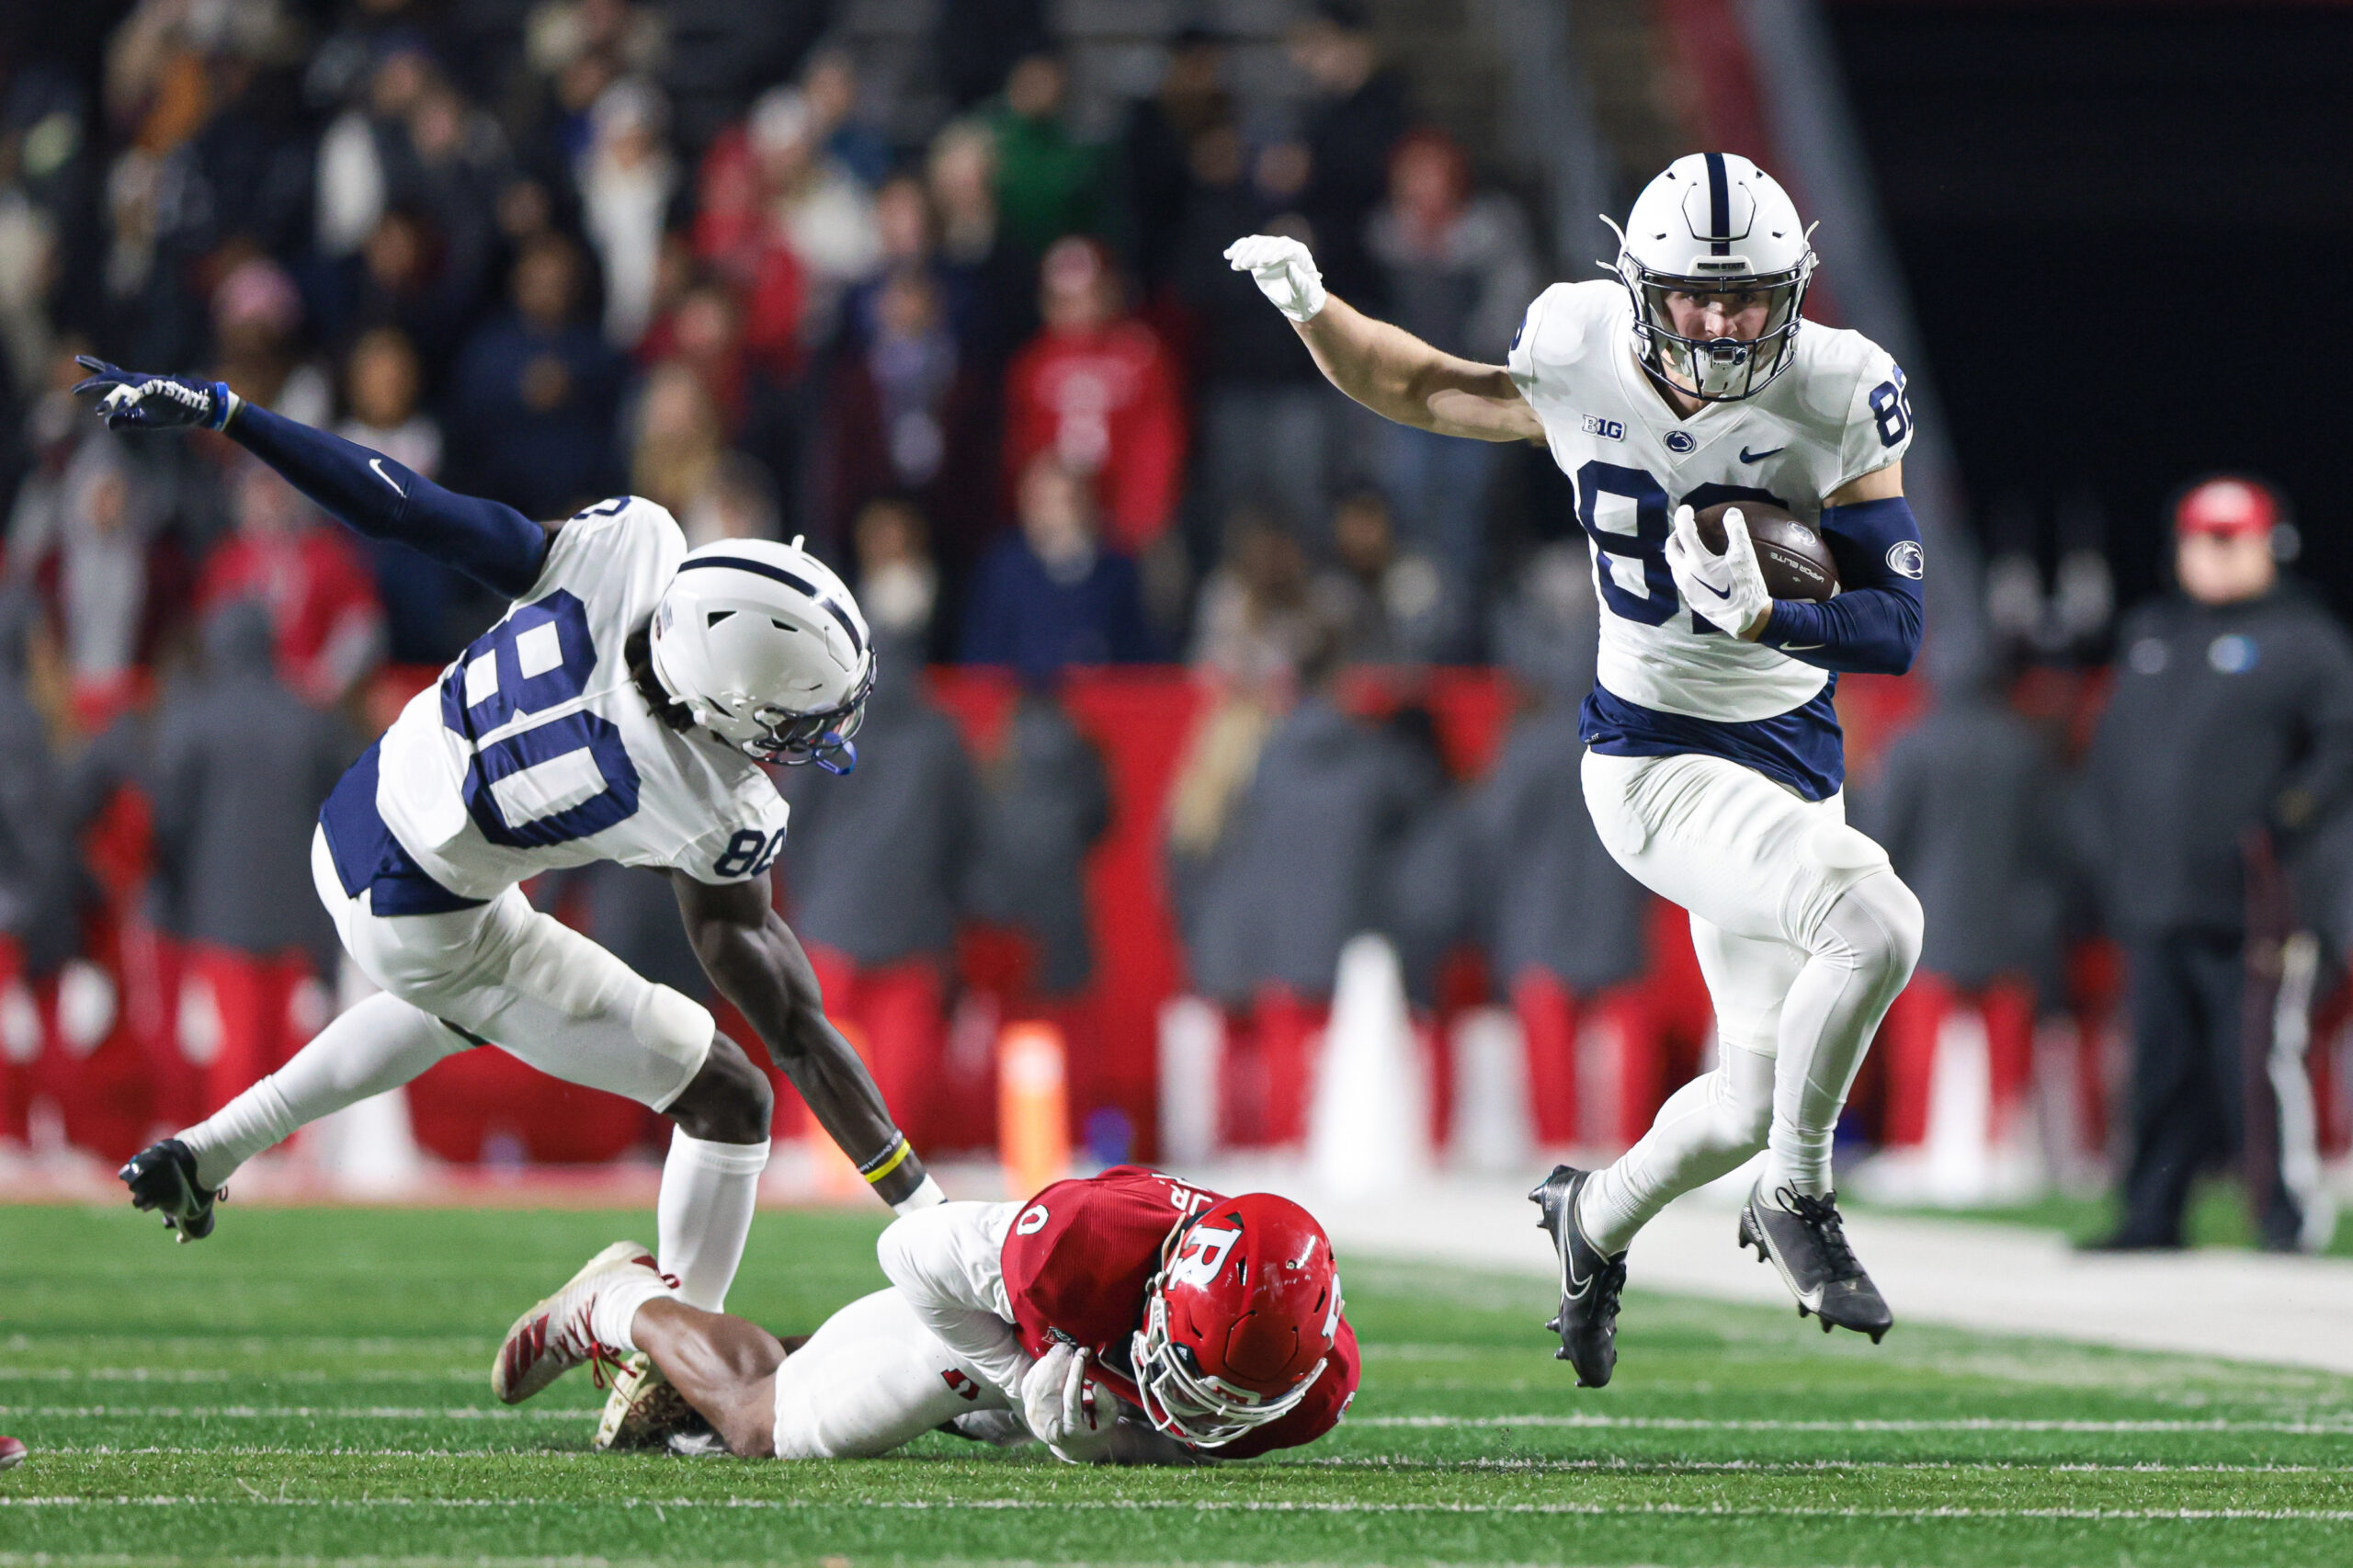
[1748,456]
[377,464]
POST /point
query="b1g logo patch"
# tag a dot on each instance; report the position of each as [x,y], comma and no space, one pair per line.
[1608,429]
[1904,558]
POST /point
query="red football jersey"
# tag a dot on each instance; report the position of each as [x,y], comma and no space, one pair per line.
[1075,1265]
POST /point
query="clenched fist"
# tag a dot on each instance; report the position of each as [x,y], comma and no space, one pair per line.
[1065,1411]
[1284,272]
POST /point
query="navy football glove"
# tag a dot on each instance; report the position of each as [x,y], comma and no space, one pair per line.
[131,401]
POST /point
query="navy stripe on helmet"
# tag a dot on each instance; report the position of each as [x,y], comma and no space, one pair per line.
[1719,205]
[777,573]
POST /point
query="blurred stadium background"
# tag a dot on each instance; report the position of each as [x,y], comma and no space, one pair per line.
[1219,800]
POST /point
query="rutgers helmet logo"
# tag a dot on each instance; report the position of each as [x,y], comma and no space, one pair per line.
[1205,1248]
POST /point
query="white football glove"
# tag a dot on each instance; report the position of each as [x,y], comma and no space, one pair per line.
[1727,589]
[1065,1411]
[1284,272]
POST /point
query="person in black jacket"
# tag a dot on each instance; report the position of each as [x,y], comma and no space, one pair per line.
[2228,737]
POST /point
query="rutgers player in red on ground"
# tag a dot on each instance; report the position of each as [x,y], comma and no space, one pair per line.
[1129,1317]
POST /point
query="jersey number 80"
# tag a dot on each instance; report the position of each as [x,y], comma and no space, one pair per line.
[543,772]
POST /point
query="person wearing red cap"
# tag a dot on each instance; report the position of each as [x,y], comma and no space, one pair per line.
[2227,743]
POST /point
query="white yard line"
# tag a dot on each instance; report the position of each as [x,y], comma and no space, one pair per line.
[1769,1424]
[2343,1428]
[1177,1506]
[1513,1466]
[235,1374]
[298,1413]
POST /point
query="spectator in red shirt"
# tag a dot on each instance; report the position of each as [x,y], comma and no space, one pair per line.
[739,234]
[1099,390]
[322,597]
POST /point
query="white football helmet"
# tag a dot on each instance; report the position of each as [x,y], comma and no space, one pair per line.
[1715,223]
[768,650]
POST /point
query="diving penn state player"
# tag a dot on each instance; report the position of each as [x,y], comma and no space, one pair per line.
[1713,762]
[621,711]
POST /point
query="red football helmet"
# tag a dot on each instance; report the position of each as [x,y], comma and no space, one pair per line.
[1238,1322]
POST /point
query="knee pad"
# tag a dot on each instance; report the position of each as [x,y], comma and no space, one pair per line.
[796,1433]
[672,1025]
[1834,860]
[1880,919]
[1844,852]
[1747,1094]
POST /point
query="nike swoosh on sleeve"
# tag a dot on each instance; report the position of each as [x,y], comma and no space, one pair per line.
[377,464]
[1803,647]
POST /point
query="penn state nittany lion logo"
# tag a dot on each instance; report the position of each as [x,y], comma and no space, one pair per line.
[1904,558]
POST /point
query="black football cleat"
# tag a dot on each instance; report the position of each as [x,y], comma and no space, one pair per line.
[162,1178]
[1590,1283]
[1806,1242]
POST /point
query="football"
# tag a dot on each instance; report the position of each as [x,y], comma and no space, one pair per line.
[1795,561]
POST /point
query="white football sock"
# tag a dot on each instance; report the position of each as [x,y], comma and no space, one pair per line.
[1705,1128]
[614,1312]
[704,1214]
[1863,954]
[377,1044]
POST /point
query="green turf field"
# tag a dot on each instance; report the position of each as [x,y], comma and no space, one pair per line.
[311,1386]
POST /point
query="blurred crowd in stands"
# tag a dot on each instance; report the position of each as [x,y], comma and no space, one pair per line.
[990,363]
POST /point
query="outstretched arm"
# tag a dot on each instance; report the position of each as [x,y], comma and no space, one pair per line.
[494,544]
[1386,368]
[757,963]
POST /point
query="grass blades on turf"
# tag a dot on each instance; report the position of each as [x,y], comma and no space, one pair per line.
[311,1385]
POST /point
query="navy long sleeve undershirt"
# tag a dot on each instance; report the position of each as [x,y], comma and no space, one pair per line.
[1873,626]
[492,543]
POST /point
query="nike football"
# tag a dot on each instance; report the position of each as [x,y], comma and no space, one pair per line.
[1795,562]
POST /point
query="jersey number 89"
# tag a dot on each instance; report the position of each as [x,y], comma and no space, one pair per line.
[1891,410]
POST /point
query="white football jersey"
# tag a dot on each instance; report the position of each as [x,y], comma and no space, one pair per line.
[1838,413]
[535,751]
[1667,679]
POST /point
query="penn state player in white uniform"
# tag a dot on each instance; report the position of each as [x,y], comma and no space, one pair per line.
[1713,764]
[621,709]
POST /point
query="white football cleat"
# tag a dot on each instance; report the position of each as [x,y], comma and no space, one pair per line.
[555,1335]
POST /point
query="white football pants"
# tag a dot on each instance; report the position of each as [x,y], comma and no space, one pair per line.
[531,985]
[1805,935]
[872,1378]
